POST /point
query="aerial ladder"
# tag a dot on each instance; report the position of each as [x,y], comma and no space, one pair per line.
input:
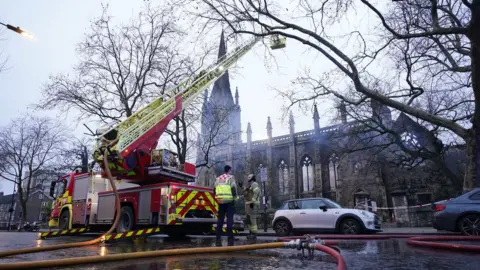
[131,142]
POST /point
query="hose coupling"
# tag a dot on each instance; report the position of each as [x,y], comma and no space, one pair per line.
[293,244]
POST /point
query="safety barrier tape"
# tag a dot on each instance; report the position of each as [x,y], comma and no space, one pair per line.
[131,234]
[364,204]
[63,232]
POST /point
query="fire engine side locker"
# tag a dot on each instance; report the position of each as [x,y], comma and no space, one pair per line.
[149,204]
[79,200]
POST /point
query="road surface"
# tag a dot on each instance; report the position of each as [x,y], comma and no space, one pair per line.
[361,255]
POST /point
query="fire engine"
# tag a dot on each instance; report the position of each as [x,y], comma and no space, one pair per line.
[153,188]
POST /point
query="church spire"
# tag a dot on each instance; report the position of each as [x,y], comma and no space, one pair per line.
[221,92]
[291,123]
[269,128]
[236,96]
[222,48]
[316,117]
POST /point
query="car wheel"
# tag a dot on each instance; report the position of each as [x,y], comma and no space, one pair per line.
[64,220]
[470,225]
[282,228]
[350,226]
[127,220]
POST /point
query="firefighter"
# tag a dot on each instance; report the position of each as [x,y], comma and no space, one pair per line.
[225,190]
[251,195]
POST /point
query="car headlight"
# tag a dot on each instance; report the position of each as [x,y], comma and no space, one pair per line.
[367,214]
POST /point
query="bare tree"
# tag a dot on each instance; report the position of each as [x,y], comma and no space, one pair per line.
[125,67]
[76,155]
[120,66]
[431,44]
[28,145]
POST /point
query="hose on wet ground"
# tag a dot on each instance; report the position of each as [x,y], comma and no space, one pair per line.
[413,240]
[170,252]
[77,244]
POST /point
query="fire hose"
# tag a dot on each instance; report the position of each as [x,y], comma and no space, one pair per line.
[413,240]
[78,244]
[172,252]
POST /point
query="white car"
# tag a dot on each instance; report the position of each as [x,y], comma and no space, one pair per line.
[321,214]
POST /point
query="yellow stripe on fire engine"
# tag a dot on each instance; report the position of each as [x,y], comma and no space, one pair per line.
[224,230]
[139,232]
[129,234]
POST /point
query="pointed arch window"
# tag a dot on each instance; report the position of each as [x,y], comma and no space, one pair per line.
[333,171]
[283,177]
[307,174]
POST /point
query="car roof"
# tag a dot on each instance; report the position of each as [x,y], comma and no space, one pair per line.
[305,199]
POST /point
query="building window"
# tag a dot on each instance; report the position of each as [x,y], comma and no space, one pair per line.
[40,196]
[333,171]
[410,140]
[307,173]
[424,198]
[283,177]
[357,167]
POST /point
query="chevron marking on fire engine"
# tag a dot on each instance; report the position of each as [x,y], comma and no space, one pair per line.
[132,234]
[64,232]
[186,199]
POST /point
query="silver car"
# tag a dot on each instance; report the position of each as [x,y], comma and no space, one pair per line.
[461,214]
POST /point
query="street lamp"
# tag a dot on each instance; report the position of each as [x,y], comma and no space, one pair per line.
[18,30]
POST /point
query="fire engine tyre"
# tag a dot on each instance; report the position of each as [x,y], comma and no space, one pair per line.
[282,228]
[470,225]
[64,220]
[127,220]
[350,226]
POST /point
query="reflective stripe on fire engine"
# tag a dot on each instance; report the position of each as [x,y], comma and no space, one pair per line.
[64,232]
[188,199]
[132,234]
[223,230]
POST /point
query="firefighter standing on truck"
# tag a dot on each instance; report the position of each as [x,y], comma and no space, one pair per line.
[251,195]
[225,190]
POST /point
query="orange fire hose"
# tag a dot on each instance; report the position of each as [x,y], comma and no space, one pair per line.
[78,244]
[159,253]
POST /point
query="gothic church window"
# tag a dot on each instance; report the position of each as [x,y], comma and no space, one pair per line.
[410,140]
[333,171]
[307,174]
[283,177]
[357,166]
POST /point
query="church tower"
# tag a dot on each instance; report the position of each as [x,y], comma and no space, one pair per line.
[220,120]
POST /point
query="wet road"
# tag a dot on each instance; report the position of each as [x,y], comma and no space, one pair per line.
[383,254]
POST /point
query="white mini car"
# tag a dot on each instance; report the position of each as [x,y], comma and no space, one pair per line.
[322,215]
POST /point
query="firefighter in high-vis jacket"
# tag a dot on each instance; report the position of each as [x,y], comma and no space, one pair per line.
[251,194]
[225,190]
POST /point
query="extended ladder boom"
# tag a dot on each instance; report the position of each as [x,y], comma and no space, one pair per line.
[140,132]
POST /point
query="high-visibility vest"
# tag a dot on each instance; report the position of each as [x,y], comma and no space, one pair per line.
[223,189]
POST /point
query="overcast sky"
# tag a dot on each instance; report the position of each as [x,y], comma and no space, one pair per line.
[60,25]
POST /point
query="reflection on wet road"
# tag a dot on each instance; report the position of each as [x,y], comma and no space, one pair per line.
[383,254]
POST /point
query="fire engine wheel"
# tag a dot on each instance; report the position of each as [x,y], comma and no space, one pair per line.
[127,220]
[64,220]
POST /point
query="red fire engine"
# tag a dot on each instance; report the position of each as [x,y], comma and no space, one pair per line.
[153,188]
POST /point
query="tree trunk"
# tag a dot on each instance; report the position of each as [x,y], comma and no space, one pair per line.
[470,168]
[474,35]
[24,212]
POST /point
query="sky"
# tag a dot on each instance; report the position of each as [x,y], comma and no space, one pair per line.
[60,25]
